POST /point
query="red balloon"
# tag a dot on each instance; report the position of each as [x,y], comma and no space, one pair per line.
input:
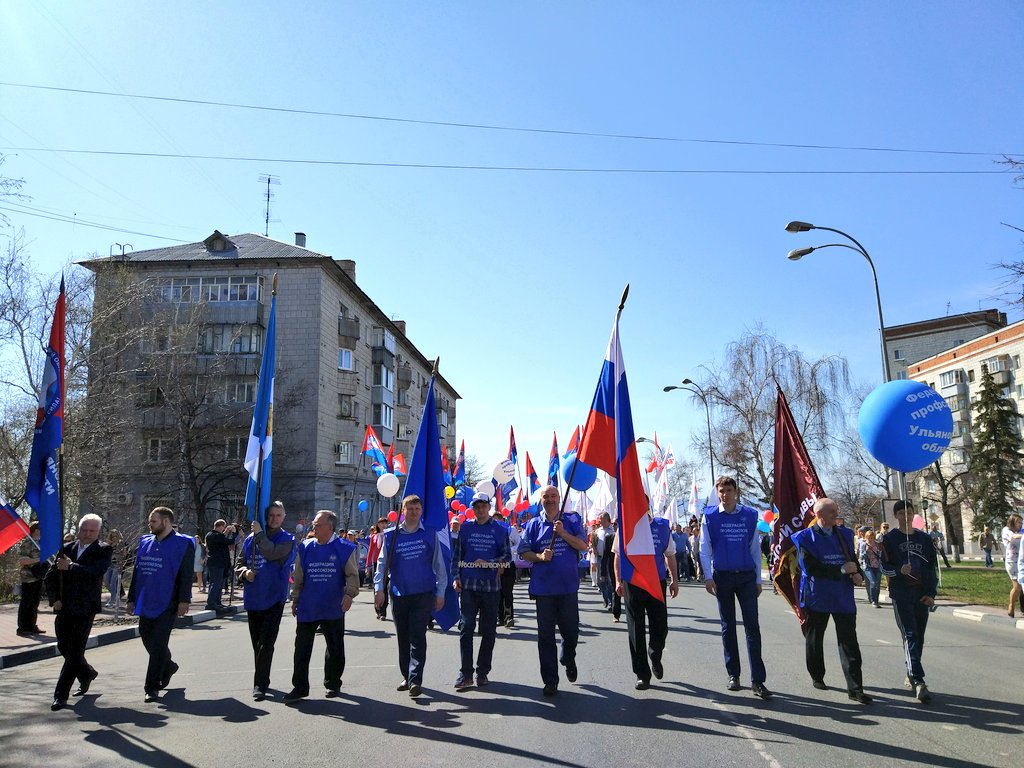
[392,516]
[506,512]
[454,504]
[462,518]
[769,515]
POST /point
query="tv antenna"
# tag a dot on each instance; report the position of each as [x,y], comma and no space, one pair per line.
[268,179]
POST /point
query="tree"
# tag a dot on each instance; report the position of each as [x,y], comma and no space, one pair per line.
[996,467]
[948,487]
[742,393]
[10,189]
[475,471]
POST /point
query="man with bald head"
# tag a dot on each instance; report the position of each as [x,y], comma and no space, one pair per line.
[73,586]
[829,572]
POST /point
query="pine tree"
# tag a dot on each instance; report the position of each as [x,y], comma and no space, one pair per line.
[997,462]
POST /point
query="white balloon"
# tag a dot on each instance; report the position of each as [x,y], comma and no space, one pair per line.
[485,486]
[387,485]
[503,471]
[510,505]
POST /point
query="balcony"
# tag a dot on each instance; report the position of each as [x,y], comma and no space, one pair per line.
[404,376]
[383,356]
[1001,378]
[348,328]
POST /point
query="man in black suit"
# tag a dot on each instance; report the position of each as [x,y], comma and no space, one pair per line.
[73,586]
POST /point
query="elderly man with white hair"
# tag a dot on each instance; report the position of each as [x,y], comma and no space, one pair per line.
[73,586]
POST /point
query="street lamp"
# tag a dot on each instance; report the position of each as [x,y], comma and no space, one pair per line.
[798,253]
[696,389]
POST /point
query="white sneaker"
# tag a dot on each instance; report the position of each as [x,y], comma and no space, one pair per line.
[922,694]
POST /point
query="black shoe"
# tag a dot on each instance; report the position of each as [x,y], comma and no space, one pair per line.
[642,685]
[295,694]
[462,682]
[482,680]
[415,690]
[657,668]
[259,694]
[25,633]
[37,631]
[761,691]
[83,686]
[734,683]
[402,686]
[550,689]
[165,681]
[571,673]
[58,704]
[819,684]
[151,696]
[333,693]
[859,696]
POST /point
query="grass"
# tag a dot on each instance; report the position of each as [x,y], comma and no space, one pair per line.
[975,584]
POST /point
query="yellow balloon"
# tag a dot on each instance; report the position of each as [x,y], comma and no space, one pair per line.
[448,491]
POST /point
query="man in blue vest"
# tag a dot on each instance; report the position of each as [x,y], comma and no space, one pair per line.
[829,572]
[325,579]
[264,575]
[642,607]
[730,554]
[481,552]
[552,542]
[411,568]
[161,591]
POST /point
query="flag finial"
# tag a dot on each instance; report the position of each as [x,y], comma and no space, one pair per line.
[437,362]
[273,288]
[622,301]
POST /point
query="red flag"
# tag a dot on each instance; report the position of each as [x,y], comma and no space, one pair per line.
[12,528]
[656,459]
[797,487]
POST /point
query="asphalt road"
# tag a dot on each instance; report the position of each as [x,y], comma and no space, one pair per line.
[207,717]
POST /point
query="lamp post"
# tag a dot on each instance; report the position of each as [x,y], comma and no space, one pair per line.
[696,389]
[798,253]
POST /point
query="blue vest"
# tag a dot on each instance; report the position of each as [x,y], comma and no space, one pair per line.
[156,571]
[660,532]
[412,562]
[481,542]
[819,593]
[561,576]
[323,579]
[271,584]
[731,536]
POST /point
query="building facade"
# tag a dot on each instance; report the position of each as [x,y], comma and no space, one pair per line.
[956,375]
[179,353]
[911,342]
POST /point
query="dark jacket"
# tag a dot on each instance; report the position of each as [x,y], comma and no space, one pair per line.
[79,587]
[218,548]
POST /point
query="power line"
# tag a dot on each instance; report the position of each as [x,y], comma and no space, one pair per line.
[64,219]
[515,168]
[507,128]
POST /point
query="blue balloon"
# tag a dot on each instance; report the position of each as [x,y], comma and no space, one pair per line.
[584,477]
[905,425]
[763,527]
[363,505]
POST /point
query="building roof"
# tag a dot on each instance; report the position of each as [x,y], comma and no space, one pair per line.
[972,350]
[991,318]
[253,247]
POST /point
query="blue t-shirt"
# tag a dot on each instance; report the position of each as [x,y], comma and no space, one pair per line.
[561,576]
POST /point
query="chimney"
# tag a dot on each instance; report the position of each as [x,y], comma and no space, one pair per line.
[300,239]
[348,267]
[400,324]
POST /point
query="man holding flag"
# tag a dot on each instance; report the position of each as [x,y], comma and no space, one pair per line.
[552,542]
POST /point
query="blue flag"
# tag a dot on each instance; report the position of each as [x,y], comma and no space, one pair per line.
[42,489]
[426,480]
[258,452]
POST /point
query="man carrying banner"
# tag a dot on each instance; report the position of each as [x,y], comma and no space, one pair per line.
[73,587]
[264,576]
[481,553]
[829,574]
[411,568]
[730,553]
[161,590]
[642,607]
[325,579]
[552,542]
[911,565]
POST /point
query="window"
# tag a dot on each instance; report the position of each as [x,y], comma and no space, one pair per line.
[234,339]
[897,354]
[346,361]
[996,364]
[235,447]
[383,415]
[956,455]
[951,377]
[384,338]
[158,450]
[342,310]
[442,417]
[343,453]
[970,375]
[901,375]
[244,288]
[156,340]
[240,392]
[1016,362]
[153,396]
[403,397]
[345,406]
[384,377]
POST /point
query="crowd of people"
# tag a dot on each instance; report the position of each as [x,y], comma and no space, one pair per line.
[320,575]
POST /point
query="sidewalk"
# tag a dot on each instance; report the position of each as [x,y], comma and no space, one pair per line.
[16,650]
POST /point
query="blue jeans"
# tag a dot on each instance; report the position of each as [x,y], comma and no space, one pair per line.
[988,558]
[874,577]
[474,602]
[742,587]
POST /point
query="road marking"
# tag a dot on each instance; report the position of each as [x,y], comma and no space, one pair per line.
[748,734]
[883,642]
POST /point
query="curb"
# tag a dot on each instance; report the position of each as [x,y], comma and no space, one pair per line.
[49,650]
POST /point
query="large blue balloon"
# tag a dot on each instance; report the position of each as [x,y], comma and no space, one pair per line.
[906,425]
[584,477]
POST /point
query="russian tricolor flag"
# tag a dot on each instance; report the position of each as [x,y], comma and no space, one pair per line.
[608,444]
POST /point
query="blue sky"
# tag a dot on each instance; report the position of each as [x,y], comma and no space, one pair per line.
[513,276]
